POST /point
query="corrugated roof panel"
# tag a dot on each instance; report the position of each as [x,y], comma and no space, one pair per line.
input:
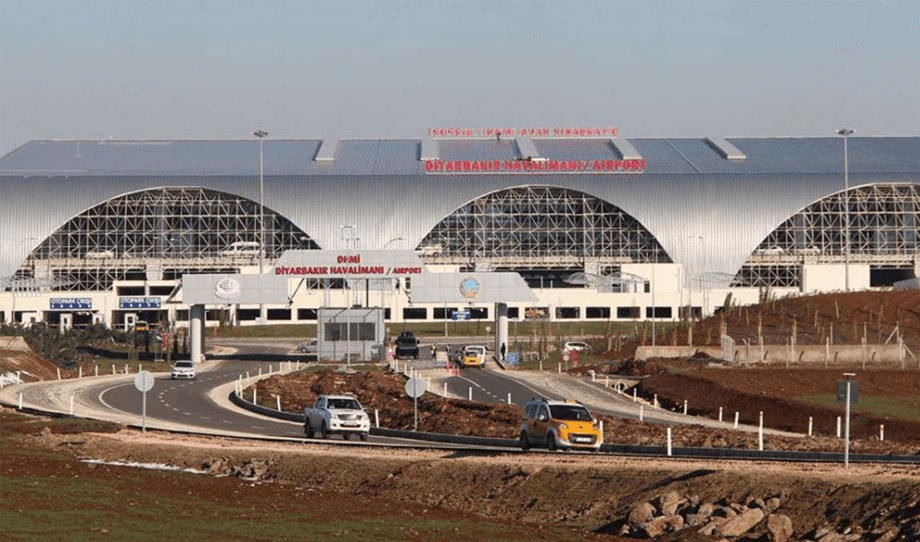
[575,149]
[68,159]
[726,149]
[625,148]
[526,149]
[398,157]
[477,149]
[661,158]
[705,158]
[327,150]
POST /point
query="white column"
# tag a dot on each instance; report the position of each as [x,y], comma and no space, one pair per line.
[501,329]
[195,327]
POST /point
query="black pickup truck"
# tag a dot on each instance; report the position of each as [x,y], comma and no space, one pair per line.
[406,345]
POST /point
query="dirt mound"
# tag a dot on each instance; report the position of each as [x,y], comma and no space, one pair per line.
[16,355]
[779,394]
[842,318]
[385,393]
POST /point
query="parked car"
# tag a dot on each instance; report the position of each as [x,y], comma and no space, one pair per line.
[336,414]
[559,425]
[577,345]
[308,347]
[183,369]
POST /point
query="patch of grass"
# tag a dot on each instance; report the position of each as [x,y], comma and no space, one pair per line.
[896,408]
[89,508]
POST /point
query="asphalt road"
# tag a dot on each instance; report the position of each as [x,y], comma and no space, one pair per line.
[187,402]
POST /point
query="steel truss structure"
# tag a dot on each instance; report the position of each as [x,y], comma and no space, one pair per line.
[158,234]
[540,227]
[884,227]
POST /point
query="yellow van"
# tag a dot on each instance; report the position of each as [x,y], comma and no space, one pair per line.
[559,425]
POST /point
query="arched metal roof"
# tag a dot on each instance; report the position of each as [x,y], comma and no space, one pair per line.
[708,212]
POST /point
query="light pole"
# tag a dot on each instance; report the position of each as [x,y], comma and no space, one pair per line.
[389,283]
[652,285]
[393,240]
[261,134]
[846,132]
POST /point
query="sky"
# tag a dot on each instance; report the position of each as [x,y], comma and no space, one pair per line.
[127,69]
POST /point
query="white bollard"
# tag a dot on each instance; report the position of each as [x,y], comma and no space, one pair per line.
[881,432]
[593,377]
[541,364]
[736,419]
[838,426]
[509,397]
[685,407]
[126,368]
[641,413]
[113,368]
[634,395]
[97,370]
[253,396]
[810,426]
[140,367]
[669,442]
[471,393]
[260,373]
[20,400]
[278,402]
[720,414]
[80,372]
[655,401]
[59,373]
[247,378]
[559,369]
[376,418]
[71,404]
[602,431]
[760,433]
[606,381]
[269,369]
[445,389]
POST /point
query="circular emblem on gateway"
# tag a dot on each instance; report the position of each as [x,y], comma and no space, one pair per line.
[227,288]
[469,287]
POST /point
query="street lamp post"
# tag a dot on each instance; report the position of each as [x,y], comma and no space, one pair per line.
[393,240]
[261,134]
[846,132]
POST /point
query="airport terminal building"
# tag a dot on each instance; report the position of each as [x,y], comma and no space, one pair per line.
[601,227]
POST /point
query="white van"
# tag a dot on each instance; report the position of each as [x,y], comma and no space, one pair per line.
[241,247]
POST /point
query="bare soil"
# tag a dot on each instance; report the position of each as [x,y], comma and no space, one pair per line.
[318,490]
[534,496]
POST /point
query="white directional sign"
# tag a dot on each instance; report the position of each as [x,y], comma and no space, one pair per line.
[144,381]
[415,387]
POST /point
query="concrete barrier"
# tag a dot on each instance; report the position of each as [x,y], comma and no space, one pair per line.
[782,354]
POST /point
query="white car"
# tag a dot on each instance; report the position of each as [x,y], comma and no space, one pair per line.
[577,345]
[336,414]
[183,369]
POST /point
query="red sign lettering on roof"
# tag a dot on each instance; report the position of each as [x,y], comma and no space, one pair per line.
[526,167]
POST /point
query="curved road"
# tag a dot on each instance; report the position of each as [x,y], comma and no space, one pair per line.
[188,402]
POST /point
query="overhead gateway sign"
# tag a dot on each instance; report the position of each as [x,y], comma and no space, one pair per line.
[364,264]
[233,289]
[479,287]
